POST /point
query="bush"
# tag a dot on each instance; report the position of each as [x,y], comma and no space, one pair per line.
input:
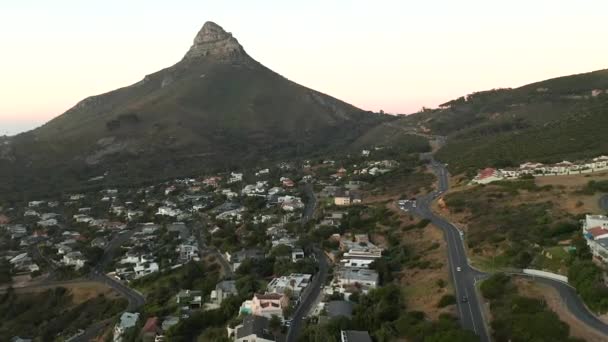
[446,300]
[494,286]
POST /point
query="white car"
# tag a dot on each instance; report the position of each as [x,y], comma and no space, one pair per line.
[458,269]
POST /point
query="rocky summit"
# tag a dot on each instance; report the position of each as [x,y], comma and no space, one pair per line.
[212,40]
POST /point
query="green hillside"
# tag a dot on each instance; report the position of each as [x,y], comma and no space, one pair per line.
[217,108]
[548,121]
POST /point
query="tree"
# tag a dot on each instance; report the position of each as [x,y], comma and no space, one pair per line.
[275,324]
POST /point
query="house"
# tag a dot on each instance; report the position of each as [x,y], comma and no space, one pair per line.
[168,211]
[189,298]
[342,199]
[4,220]
[235,177]
[592,221]
[354,336]
[255,329]
[47,223]
[99,242]
[144,268]
[348,276]
[339,308]
[31,213]
[36,204]
[236,258]
[151,329]
[266,305]
[75,259]
[297,254]
[288,183]
[187,252]
[127,320]
[168,322]
[82,218]
[358,245]
[295,283]
[365,153]
[16,230]
[223,290]
[487,175]
[262,172]
[213,182]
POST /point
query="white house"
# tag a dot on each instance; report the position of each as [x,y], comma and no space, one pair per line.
[235,177]
[143,269]
[168,211]
[295,282]
[127,320]
[75,259]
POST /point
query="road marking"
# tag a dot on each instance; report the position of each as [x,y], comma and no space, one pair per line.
[470,310]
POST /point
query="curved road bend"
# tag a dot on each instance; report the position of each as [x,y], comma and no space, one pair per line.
[464,281]
[463,276]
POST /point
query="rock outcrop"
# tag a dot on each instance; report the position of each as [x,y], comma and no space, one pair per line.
[213,41]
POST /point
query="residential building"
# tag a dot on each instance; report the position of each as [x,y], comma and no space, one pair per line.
[255,329]
[187,252]
[189,298]
[295,283]
[266,305]
[236,258]
[348,276]
[145,268]
[127,320]
[592,221]
[297,254]
[354,336]
[168,211]
[487,175]
[75,259]
[223,290]
[235,177]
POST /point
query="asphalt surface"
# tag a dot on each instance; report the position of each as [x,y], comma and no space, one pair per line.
[603,202]
[463,276]
[135,299]
[464,280]
[312,291]
[574,304]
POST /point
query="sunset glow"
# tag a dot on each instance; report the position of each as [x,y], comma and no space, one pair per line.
[392,55]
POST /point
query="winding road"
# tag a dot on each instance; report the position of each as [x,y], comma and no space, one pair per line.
[464,277]
[312,291]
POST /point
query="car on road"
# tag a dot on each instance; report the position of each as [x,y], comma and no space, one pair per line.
[465,299]
[458,269]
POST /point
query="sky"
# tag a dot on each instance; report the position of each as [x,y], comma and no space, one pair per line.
[395,56]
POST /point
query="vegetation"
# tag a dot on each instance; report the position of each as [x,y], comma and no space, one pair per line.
[519,318]
[47,314]
[516,233]
[588,278]
[381,312]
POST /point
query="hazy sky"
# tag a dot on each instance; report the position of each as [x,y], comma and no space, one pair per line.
[392,55]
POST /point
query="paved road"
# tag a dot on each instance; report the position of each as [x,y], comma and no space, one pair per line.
[463,276]
[470,312]
[309,296]
[136,300]
[574,304]
[312,291]
[603,202]
[311,204]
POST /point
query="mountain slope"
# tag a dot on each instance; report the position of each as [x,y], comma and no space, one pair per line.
[216,108]
[548,121]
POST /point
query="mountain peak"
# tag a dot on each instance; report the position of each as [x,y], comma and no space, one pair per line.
[213,40]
